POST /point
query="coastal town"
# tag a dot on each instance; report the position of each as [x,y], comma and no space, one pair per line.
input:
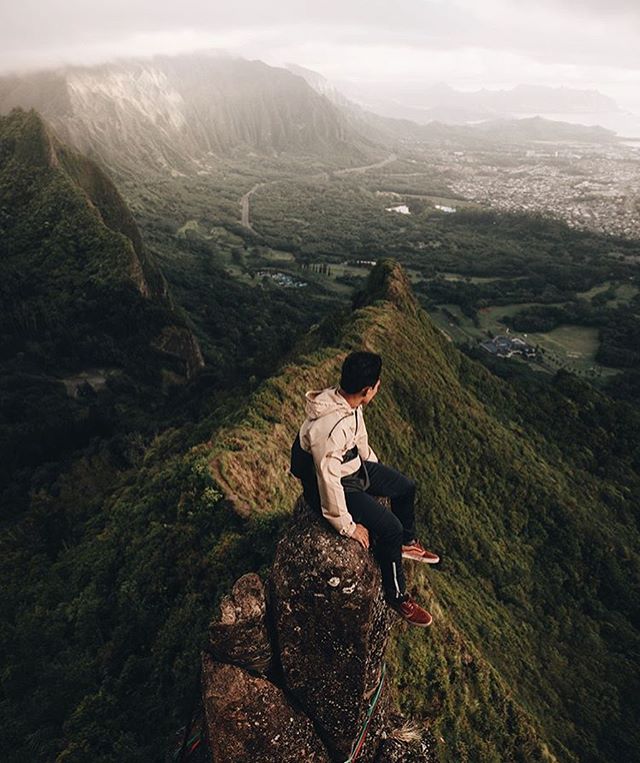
[594,186]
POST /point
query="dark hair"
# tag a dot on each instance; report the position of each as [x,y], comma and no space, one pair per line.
[360,369]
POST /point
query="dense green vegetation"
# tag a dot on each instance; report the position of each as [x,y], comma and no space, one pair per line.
[528,489]
[307,216]
[71,286]
[476,260]
[81,298]
[243,326]
[72,298]
[118,540]
[497,259]
[88,577]
[108,585]
[346,217]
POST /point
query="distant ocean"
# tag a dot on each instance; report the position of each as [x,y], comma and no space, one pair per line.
[623,123]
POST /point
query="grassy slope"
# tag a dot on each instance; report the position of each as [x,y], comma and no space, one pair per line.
[526,491]
[537,588]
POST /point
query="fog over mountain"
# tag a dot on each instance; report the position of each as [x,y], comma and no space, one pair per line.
[179,115]
[174,113]
[371,48]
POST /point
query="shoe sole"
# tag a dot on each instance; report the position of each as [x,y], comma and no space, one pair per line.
[419,559]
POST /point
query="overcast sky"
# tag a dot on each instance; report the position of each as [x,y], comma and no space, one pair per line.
[467,43]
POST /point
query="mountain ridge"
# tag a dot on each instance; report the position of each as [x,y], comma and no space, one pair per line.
[69,224]
[175,114]
[500,489]
[527,490]
[444,125]
[441,102]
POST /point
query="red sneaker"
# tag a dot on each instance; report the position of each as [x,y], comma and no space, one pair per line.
[413,613]
[416,551]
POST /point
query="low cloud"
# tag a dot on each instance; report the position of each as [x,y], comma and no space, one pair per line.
[584,43]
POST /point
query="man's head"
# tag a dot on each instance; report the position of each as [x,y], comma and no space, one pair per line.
[360,376]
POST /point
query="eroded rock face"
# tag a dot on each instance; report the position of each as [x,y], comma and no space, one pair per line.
[240,637]
[292,668]
[179,343]
[250,719]
[332,628]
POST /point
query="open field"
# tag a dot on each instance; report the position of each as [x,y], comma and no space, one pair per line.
[275,259]
[624,292]
[567,346]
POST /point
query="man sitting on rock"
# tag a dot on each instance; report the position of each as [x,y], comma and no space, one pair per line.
[340,474]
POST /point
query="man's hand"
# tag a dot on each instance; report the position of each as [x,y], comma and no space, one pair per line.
[361,534]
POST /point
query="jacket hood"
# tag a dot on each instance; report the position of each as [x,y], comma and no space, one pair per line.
[320,402]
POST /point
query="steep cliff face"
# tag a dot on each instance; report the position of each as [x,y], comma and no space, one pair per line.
[175,113]
[297,671]
[511,494]
[68,244]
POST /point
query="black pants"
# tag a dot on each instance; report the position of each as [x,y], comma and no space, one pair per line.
[388,529]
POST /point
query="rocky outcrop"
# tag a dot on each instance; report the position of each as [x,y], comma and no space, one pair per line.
[254,720]
[295,670]
[333,625]
[178,343]
[240,637]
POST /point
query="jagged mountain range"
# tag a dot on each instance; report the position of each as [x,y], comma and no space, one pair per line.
[180,114]
[444,103]
[177,113]
[446,122]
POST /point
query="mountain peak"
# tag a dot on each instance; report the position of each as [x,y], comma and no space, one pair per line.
[387,281]
[280,681]
[32,139]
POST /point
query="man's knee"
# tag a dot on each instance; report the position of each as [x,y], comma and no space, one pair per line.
[391,531]
[389,481]
[409,486]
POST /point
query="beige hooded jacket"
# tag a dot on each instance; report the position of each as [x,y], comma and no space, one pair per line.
[332,428]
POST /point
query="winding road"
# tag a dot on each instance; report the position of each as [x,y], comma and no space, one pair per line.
[245,201]
[244,205]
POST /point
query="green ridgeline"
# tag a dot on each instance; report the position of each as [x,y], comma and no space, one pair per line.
[526,490]
[78,294]
[77,285]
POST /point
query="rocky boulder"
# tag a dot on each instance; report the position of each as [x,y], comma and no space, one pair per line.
[295,671]
[254,720]
[332,625]
[240,636]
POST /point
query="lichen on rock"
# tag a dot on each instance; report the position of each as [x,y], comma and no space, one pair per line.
[333,625]
[250,719]
[295,670]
